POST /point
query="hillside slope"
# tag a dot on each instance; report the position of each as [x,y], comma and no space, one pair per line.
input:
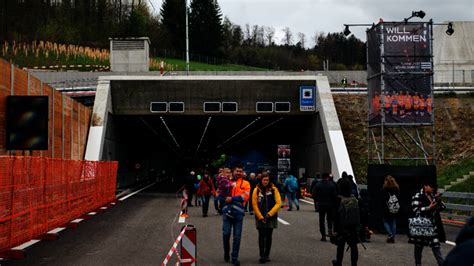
[454,128]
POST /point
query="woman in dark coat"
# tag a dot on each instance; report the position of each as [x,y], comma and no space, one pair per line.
[390,206]
[266,202]
[426,204]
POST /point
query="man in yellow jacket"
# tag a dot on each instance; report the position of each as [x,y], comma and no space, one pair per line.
[233,214]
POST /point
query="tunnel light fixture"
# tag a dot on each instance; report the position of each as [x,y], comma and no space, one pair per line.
[212,107]
[282,107]
[238,132]
[230,107]
[264,107]
[176,107]
[158,107]
[203,133]
[169,131]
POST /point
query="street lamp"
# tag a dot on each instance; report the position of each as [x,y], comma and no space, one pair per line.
[450,29]
[420,14]
[187,39]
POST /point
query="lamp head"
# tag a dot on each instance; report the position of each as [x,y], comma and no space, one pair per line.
[450,29]
[346,31]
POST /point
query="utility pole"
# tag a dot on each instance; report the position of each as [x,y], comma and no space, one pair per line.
[187,39]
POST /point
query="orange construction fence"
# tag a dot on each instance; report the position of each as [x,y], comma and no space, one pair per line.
[38,194]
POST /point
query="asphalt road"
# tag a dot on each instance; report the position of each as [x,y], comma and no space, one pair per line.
[141,230]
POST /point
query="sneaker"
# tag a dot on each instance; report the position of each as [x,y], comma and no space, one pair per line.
[323,239]
[251,213]
[261,260]
[297,208]
[236,263]
[226,257]
[290,209]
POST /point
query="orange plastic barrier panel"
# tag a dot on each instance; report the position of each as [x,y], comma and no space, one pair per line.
[38,194]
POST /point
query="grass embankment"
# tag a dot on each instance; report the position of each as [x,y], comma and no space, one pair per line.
[453,130]
[55,56]
[452,172]
[180,65]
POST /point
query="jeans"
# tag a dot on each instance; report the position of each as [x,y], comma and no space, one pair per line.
[205,204]
[216,203]
[390,226]
[292,198]
[227,225]
[436,252]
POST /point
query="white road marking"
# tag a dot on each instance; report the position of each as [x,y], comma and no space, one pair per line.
[450,243]
[138,191]
[77,221]
[103,208]
[92,213]
[25,245]
[57,230]
[307,201]
[283,221]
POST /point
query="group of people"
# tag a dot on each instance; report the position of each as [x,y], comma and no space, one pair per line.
[341,208]
[402,104]
[234,194]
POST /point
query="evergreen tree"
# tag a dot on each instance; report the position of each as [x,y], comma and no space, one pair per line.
[173,20]
[206,32]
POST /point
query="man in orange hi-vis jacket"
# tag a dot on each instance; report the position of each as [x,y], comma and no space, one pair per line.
[233,214]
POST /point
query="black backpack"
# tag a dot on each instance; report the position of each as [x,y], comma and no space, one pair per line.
[349,213]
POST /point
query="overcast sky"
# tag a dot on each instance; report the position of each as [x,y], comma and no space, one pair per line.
[312,16]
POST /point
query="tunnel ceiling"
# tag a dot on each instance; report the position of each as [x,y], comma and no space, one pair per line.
[184,136]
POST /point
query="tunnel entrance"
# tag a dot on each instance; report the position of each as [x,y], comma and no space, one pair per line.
[168,146]
[136,121]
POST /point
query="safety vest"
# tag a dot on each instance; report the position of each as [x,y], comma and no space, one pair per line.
[242,188]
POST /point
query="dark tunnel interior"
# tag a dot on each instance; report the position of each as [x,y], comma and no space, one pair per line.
[169,146]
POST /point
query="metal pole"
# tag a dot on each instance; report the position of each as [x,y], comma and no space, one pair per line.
[187,39]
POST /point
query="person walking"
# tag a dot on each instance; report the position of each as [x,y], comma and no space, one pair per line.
[233,214]
[291,187]
[205,190]
[189,185]
[347,223]
[427,204]
[253,184]
[390,206]
[266,202]
[325,197]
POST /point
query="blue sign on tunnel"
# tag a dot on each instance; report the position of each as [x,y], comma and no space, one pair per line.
[307,98]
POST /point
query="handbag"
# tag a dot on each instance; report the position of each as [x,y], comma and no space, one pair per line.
[421,227]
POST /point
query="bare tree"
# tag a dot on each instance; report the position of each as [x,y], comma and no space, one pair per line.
[302,39]
[317,36]
[288,37]
[269,35]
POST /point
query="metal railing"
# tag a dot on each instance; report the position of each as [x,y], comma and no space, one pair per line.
[459,205]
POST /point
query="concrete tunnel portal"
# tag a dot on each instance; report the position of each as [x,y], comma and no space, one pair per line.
[166,140]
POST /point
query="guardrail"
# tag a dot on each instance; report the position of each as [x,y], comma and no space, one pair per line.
[459,205]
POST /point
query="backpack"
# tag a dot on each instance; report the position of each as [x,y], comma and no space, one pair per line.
[349,214]
[393,205]
[292,185]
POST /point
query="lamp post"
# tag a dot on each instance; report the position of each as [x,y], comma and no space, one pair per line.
[187,38]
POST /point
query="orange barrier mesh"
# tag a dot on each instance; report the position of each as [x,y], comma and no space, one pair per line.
[38,194]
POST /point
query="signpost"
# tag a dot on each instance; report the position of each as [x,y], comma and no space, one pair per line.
[307,98]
